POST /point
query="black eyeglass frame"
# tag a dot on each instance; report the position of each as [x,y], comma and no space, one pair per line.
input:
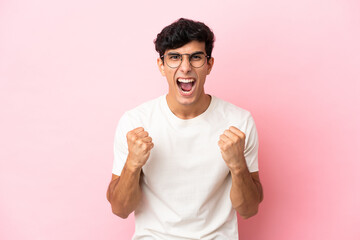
[181,56]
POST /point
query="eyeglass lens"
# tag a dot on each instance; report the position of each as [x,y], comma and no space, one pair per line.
[174,60]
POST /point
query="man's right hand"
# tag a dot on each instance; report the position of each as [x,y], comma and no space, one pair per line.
[139,146]
[124,192]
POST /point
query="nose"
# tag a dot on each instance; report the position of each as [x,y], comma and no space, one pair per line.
[185,65]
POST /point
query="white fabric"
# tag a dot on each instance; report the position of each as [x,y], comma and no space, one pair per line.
[186,183]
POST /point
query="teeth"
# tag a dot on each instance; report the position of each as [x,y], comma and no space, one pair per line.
[183,80]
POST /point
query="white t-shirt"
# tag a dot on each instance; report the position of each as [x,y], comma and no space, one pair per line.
[186,183]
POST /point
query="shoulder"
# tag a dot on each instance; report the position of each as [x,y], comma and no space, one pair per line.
[145,108]
[137,116]
[143,113]
[231,111]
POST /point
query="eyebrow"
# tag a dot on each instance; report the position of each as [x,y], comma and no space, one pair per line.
[176,53]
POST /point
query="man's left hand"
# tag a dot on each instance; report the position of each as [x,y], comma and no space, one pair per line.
[232,145]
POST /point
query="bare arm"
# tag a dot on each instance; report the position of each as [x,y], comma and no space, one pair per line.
[124,191]
[246,191]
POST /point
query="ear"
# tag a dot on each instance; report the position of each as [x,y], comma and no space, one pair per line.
[161,66]
[210,63]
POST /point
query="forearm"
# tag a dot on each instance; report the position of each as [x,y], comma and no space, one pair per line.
[124,193]
[245,193]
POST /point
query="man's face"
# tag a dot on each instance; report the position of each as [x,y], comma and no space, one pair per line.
[186,83]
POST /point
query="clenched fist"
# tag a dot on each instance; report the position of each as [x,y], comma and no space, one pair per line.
[139,146]
[232,145]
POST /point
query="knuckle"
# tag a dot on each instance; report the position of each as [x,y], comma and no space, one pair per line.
[144,147]
[129,134]
[232,128]
[133,138]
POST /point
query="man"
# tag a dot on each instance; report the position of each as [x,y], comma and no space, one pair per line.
[186,161]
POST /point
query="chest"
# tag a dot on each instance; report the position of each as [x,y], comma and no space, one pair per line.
[185,156]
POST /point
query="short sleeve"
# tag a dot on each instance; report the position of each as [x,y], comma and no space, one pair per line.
[120,144]
[251,146]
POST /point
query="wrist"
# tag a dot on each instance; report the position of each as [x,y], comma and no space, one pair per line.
[132,167]
[238,165]
[239,170]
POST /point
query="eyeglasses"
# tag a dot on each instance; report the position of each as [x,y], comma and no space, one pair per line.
[196,59]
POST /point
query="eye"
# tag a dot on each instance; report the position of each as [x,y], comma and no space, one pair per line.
[174,57]
[196,57]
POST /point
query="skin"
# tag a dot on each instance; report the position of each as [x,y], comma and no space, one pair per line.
[124,191]
[187,107]
[246,191]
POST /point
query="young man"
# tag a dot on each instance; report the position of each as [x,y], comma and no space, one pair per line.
[186,161]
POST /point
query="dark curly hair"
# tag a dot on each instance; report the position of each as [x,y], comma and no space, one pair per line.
[182,32]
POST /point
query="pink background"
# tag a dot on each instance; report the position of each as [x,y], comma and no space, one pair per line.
[70,68]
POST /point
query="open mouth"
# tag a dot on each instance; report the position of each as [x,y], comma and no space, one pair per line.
[186,85]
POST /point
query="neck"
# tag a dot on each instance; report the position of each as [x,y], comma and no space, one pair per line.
[191,110]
